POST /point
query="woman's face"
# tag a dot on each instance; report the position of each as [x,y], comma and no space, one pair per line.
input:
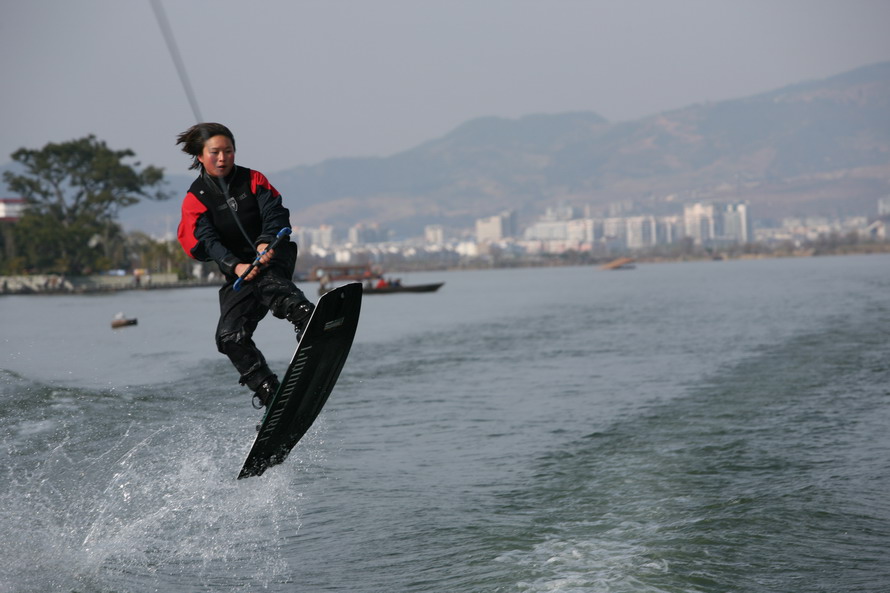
[218,157]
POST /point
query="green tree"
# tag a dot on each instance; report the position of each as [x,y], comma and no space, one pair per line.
[157,257]
[73,193]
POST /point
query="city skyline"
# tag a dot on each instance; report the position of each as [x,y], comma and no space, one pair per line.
[705,224]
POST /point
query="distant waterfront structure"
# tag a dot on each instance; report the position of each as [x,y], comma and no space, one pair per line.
[496,228]
[326,236]
[545,230]
[615,231]
[700,223]
[669,230]
[705,223]
[434,234]
[584,230]
[362,234]
[737,223]
[598,232]
[11,209]
[10,212]
[560,212]
[718,223]
[884,206]
[320,237]
[641,232]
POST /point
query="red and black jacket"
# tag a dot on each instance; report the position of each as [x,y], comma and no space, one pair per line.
[208,230]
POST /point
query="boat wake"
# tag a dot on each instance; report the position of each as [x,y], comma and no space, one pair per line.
[154,507]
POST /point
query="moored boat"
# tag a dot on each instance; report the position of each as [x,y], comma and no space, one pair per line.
[120,320]
[391,288]
[373,280]
[622,263]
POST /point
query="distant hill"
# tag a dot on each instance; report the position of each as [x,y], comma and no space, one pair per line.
[813,148]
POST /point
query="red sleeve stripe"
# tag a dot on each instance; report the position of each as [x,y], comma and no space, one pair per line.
[257,179]
[192,209]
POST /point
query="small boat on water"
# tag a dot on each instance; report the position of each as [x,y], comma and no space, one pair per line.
[373,280]
[622,263]
[391,288]
[120,321]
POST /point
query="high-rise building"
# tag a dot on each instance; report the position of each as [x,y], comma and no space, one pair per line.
[560,212]
[716,222]
[737,223]
[307,237]
[615,229]
[699,222]
[547,230]
[434,234]
[362,234]
[669,230]
[641,232]
[496,228]
[584,230]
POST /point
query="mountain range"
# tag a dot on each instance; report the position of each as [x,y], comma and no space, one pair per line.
[816,148]
[813,148]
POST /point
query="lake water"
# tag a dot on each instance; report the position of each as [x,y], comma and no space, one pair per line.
[688,427]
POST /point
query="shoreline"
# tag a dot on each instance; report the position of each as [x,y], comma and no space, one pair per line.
[57,284]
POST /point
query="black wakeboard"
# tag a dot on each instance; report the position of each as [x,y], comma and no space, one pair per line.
[309,379]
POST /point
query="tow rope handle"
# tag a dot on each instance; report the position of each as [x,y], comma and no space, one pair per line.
[281,236]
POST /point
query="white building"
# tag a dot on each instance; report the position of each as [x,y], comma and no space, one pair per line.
[362,234]
[11,209]
[640,232]
[319,238]
[718,223]
[561,212]
[547,230]
[615,230]
[737,223]
[669,230]
[496,228]
[584,230]
[699,222]
[434,234]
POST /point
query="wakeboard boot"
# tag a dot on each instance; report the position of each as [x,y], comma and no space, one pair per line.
[299,314]
[262,397]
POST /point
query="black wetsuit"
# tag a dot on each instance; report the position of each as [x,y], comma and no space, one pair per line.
[208,231]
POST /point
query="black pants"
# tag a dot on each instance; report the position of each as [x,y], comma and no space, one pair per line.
[241,312]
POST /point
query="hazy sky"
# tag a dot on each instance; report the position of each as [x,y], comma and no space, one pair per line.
[300,81]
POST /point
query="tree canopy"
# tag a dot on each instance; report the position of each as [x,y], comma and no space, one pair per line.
[73,192]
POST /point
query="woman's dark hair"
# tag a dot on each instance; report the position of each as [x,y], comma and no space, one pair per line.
[193,139]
